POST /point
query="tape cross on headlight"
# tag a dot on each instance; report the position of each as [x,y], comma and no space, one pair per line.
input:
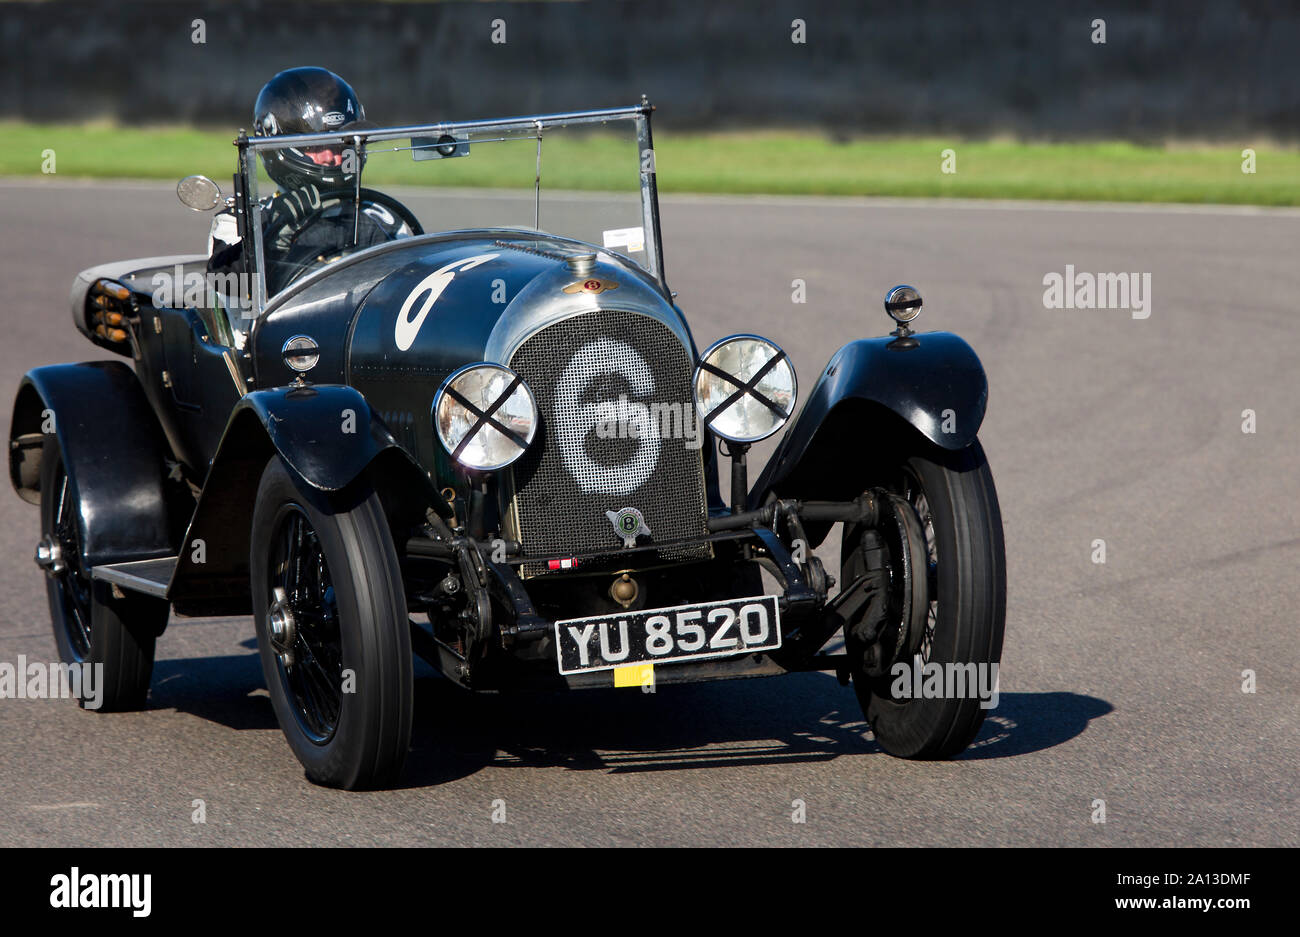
[485,417]
[745,387]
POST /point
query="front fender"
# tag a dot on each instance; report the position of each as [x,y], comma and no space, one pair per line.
[933,381]
[114,453]
[324,433]
[327,437]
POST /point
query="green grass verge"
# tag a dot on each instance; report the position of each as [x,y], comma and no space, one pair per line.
[796,163]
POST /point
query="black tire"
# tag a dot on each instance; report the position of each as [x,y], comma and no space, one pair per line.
[957,509]
[335,560]
[91,624]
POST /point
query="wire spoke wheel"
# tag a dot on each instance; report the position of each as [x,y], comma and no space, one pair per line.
[949,557]
[333,630]
[114,631]
[310,652]
[911,491]
[74,585]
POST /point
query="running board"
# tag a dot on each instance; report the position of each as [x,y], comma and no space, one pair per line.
[150,577]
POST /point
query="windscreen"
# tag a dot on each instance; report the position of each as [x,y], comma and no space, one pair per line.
[319,204]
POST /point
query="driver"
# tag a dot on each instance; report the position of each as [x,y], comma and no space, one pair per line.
[314,214]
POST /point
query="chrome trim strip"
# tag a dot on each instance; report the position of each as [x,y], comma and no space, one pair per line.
[528,123]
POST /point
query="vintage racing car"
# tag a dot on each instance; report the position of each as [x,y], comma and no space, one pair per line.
[497,446]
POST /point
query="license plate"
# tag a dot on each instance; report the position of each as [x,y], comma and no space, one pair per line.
[655,635]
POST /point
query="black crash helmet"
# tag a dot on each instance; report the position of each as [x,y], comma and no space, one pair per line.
[305,100]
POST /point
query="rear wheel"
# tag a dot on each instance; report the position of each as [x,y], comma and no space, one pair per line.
[955,520]
[92,625]
[332,630]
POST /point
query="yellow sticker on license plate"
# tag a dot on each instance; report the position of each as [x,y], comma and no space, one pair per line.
[635,675]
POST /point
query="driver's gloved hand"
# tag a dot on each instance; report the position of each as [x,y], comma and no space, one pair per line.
[290,211]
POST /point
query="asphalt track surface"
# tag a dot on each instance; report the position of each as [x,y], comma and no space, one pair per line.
[1120,682]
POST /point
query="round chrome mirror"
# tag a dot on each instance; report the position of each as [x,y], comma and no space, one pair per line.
[198,193]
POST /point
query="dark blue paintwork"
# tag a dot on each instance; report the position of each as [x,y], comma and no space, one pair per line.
[114,452]
[323,432]
[918,378]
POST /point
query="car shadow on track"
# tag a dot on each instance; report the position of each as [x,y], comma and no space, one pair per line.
[798,718]
[224,690]
[1031,722]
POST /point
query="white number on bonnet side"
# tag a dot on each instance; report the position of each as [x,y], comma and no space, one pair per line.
[406,328]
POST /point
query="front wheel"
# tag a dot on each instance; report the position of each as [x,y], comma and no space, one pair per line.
[948,499]
[332,630]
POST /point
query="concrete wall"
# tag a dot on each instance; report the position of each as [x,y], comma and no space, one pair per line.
[1187,68]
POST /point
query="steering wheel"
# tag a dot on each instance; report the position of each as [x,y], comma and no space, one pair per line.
[291,257]
[375,197]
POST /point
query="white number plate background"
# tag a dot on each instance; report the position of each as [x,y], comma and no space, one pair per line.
[685,632]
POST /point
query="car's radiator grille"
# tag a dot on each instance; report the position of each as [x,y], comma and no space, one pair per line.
[599,366]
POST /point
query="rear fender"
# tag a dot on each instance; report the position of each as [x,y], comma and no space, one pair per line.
[114,453]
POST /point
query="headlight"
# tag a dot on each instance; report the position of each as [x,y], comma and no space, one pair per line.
[745,388]
[485,416]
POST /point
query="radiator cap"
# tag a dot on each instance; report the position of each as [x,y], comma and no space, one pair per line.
[582,264]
